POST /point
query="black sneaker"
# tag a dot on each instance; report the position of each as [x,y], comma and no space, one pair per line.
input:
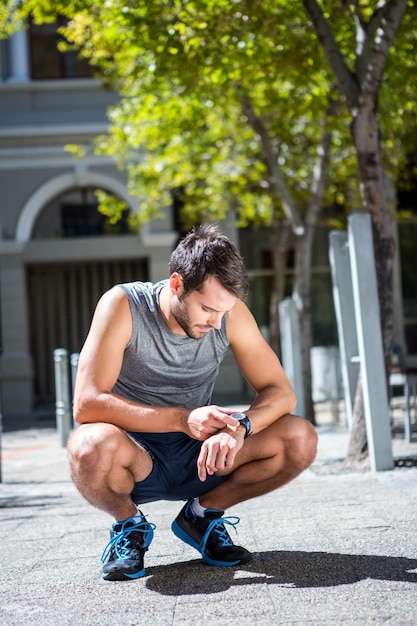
[209,536]
[128,543]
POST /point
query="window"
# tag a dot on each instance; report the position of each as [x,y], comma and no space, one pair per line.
[75,214]
[46,60]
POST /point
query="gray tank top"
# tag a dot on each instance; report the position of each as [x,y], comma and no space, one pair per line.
[161,368]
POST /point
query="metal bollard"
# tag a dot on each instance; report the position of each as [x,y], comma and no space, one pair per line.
[63,410]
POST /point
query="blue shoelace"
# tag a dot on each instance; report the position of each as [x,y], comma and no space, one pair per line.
[121,539]
[218,526]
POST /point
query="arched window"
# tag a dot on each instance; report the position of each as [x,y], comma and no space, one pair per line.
[75,213]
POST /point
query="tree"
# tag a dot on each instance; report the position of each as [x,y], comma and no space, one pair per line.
[356,40]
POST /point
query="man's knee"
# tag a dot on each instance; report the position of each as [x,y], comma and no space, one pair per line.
[90,444]
[300,441]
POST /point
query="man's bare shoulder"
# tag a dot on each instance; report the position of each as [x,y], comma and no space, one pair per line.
[241,325]
[239,314]
[115,296]
[113,305]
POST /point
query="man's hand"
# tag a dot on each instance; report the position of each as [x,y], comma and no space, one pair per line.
[206,421]
[219,451]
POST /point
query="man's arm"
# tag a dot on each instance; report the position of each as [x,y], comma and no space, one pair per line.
[261,368]
[263,371]
[99,367]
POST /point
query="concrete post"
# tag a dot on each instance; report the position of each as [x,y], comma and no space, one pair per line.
[368,328]
[291,350]
[63,410]
[345,317]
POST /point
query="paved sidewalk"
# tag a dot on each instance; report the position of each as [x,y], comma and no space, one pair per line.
[330,548]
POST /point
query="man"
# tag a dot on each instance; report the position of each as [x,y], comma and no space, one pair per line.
[142,398]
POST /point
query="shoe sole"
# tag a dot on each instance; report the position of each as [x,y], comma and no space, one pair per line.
[181,534]
[120,576]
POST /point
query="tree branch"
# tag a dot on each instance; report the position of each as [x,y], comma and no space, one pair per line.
[318,183]
[276,177]
[345,78]
[380,34]
[373,43]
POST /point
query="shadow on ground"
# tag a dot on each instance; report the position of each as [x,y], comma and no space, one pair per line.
[287,569]
[31,501]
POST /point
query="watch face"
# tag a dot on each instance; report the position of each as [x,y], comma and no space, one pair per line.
[238,416]
[244,420]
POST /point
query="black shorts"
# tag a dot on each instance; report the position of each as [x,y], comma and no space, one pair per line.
[174,473]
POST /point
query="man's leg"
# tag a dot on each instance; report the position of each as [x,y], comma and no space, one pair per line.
[105,464]
[267,461]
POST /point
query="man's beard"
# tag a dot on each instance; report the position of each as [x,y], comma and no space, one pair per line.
[180,313]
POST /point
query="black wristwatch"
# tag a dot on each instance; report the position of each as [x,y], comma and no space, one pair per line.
[243,419]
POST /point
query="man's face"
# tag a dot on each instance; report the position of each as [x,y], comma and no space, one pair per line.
[200,311]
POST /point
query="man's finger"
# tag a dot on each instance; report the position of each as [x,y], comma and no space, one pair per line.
[227,420]
[201,464]
[211,462]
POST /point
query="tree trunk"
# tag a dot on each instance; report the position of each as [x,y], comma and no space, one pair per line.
[374,37]
[358,447]
[304,257]
[302,298]
[279,244]
[365,133]
[366,137]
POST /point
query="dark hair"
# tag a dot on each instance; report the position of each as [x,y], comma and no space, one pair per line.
[206,252]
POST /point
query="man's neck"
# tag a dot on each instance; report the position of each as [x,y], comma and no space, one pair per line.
[165,307]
